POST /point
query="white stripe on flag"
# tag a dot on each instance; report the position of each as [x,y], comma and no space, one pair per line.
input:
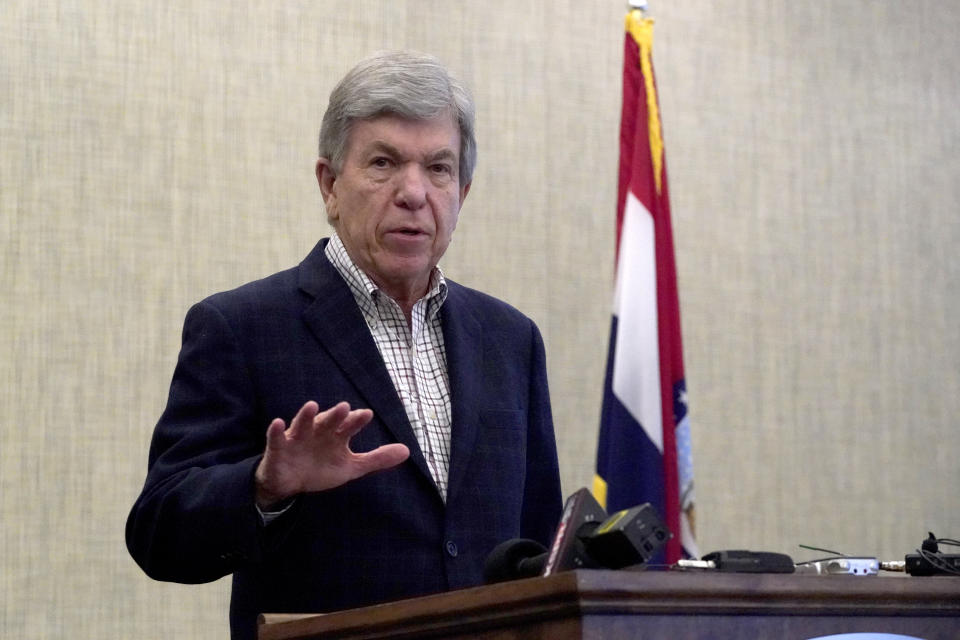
[636,369]
[687,540]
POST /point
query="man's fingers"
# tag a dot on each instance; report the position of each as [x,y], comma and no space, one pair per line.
[304,418]
[275,435]
[332,417]
[354,422]
[385,457]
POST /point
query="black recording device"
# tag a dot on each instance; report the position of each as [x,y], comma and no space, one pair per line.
[742,561]
[627,538]
[929,561]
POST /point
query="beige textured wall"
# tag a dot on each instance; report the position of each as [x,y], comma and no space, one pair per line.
[151,153]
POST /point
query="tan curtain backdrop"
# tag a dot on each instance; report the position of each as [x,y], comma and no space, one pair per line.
[153,153]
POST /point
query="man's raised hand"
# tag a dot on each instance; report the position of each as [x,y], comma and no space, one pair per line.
[314,453]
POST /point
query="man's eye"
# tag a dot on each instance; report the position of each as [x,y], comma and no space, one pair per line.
[441,168]
[380,163]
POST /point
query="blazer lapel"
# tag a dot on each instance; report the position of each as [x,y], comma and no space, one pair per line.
[463,338]
[336,321]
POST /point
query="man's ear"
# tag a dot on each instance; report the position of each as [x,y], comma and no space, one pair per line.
[326,176]
[464,190]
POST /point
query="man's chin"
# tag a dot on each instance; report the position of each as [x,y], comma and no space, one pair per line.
[398,273]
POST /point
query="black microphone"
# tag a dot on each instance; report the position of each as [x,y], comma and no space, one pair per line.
[581,516]
[586,538]
[514,559]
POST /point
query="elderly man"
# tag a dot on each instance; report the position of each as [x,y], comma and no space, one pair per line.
[380,365]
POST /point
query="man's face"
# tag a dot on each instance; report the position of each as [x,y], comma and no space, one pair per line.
[396,199]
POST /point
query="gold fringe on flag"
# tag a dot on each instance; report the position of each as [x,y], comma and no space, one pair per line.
[600,490]
[641,29]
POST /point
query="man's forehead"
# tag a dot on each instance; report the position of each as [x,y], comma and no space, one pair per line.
[440,134]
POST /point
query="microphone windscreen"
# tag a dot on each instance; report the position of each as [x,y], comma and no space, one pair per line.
[507,560]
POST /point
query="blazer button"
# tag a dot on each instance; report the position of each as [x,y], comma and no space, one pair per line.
[452,550]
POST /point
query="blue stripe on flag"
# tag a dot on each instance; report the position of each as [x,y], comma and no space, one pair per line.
[627,460]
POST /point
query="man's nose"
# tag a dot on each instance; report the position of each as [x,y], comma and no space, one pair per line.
[412,187]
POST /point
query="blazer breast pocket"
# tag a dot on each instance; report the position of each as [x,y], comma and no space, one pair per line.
[503,419]
[503,434]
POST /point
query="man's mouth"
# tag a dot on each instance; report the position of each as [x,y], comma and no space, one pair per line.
[407,231]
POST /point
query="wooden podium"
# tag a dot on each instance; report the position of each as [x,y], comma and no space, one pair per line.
[651,605]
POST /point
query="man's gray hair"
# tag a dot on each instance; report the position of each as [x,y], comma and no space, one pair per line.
[402,83]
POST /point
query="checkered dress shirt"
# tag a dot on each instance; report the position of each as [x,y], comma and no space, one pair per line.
[415,356]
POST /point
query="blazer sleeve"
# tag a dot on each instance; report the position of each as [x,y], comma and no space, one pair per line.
[196,518]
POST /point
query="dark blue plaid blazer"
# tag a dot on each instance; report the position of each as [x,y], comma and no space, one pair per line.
[261,351]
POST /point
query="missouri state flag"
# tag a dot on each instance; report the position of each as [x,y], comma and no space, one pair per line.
[644,448]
